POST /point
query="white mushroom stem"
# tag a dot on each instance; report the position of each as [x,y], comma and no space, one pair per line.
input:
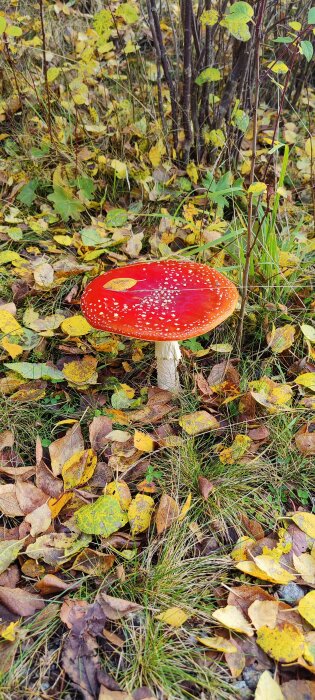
[168,355]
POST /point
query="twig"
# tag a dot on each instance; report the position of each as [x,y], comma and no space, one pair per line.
[41,14]
[187,80]
[12,66]
[158,76]
[258,29]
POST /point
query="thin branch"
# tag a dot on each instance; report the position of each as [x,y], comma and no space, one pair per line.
[41,14]
[187,80]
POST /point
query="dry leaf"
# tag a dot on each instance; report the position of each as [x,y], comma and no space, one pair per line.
[143,442]
[263,612]
[282,338]
[305,521]
[233,618]
[198,422]
[9,504]
[51,584]
[93,563]
[274,570]
[218,644]
[20,601]
[78,469]
[167,512]
[61,450]
[175,617]
[268,688]
[120,490]
[29,496]
[205,487]
[306,607]
[140,513]
[75,326]
[39,519]
[284,643]
[116,608]
[98,431]
[305,566]
[305,440]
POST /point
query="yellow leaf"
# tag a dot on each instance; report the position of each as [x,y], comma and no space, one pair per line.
[276,572]
[175,617]
[306,607]
[63,240]
[239,551]
[119,284]
[284,643]
[128,390]
[140,513]
[44,275]
[281,339]
[143,442]
[240,445]
[52,73]
[120,169]
[82,371]
[76,326]
[156,153]
[270,394]
[308,332]
[7,256]
[257,188]
[79,468]
[120,490]
[267,688]
[305,566]
[250,568]
[295,25]
[218,644]
[56,504]
[8,324]
[309,649]
[233,618]
[209,18]
[8,632]
[198,422]
[185,508]
[13,349]
[307,379]
[263,612]
[306,522]
[192,172]
[278,67]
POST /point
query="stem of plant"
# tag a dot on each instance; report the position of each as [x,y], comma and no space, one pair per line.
[168,355]
[41,13]
[250,222]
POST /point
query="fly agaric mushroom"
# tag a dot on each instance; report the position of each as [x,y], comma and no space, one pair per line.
[164,301]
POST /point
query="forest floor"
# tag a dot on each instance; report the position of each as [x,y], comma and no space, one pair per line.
[203,584]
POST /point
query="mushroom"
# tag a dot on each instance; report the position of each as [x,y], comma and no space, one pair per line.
[164,301]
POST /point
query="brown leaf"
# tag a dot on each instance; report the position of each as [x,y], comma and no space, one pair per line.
[20,601]
[62,449]
[113,639]
[29,496]
[6,439]
[47,482]
[9,504]
[51,584]
[243,596]
[10,577]
[39,519]
[98,430]
[224,372]
[80,662]
[205,487]
[115,608]
[299,690]
[72,610]
[22,473]
[106,694]
[92,562]
[305,439]
[103,474]
[166,513]
[260,433]
[252,527]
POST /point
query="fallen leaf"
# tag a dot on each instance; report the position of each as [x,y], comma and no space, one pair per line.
[305,521]
[120,490]
[103,517]
[239,447]
[239,551]
[305,566]
[233,618]
[57,548]
[9,504]
[298,690]
[307,379]
[274,570]
[78,469]
[44,275]
[185,508]
[263,612]
[9,549]
[218,644]
[39,519]
[175,617]
[306,607]
[20,601]
[9,631]
[29,496]
[62,449]
[284,643]
[282,338]
[98,431]
[198,422]
[116,608]
[76,326]
[93,563]
[167,512]
[205,487]
[267,688]
[120,284]
[143,442]
[140,513]
[305,440]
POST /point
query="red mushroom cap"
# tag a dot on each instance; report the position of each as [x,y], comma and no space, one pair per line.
[169,300]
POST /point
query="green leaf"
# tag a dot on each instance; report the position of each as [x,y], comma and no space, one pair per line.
[120,400]
[39,152]
[311,16]
[67,206]
[208,75]
[28,370]
[3,24]
[9,550]
[103,517]
[91,237]
[116,217]
[87,186]
[128,12]
[236,20]
[103,22]
[241,120]
[283,40]
[13,30]
[307,50]
[28,193]
[52,73]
